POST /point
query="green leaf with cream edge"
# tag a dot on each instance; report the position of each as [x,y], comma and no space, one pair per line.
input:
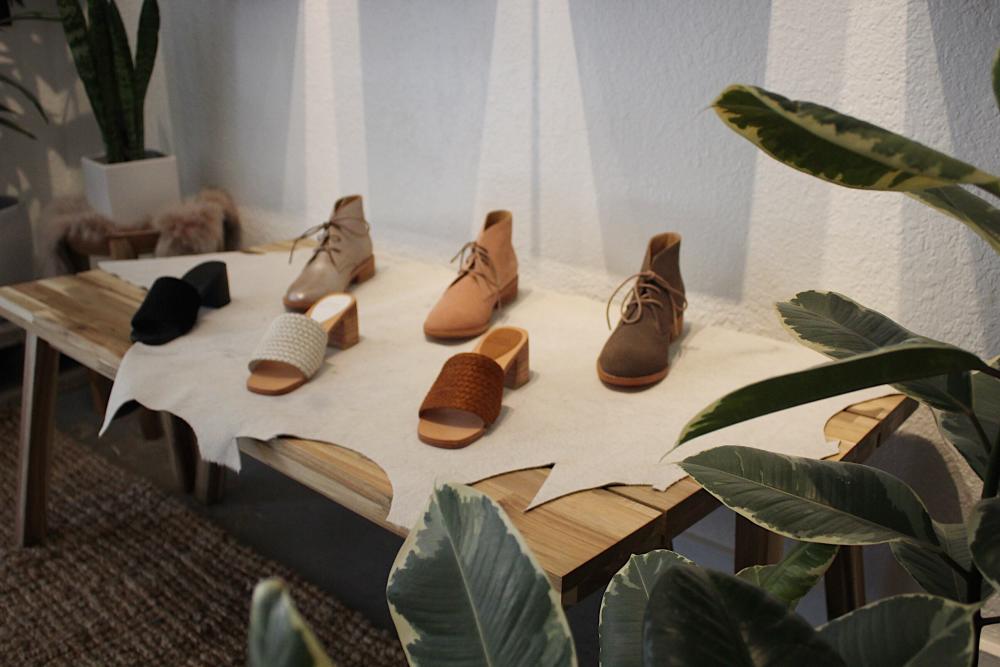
[983,525]
[890,365]
[795,575]
[905,631]
[702,618]
[465,590]
[623,606]
[813,501]
[850,152]
[839,327]
[279,637]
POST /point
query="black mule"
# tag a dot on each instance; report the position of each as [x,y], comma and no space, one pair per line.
[171,306]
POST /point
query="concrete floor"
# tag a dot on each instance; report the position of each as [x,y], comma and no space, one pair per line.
[337,550]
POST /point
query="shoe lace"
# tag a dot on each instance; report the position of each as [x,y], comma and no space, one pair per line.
[644,291]
[333,233]
[475,259]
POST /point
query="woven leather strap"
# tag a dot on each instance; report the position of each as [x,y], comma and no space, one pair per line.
[468,381]
[293,339]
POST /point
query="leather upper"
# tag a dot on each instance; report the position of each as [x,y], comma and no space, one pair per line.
[467,305]
[343,247]
[641,348]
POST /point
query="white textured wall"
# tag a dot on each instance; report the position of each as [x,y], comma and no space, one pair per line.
[588,119]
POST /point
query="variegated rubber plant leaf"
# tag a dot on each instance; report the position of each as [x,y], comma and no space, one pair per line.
[703,618]
[623,606]
[795,575]
[465,590]
[840,327]
[279,636]
[847,151]
[905,631]
[813,501]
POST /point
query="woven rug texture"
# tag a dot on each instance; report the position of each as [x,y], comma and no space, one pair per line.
[130,576]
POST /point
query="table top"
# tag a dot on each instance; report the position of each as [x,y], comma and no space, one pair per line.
[580,539]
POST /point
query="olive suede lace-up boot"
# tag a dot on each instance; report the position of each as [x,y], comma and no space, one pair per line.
[637,353]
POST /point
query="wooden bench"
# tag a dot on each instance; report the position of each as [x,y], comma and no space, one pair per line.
[580,539]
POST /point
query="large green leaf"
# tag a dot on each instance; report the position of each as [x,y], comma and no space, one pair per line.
[960,430]
[840,149]
[904,631]
[839,327]
[75,27]
[977,213]
[701,618]
[930,570]
[121,58]
[99,39]
[623,606]
[146,43]
[279,637]
[813,501]
[983,525]
[885,366]
[465,590]
[996,77]
[796,574]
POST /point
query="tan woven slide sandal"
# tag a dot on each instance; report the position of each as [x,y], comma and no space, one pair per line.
[467,395]
[294,346]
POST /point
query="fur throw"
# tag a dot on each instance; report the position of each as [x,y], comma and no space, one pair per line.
[208,223]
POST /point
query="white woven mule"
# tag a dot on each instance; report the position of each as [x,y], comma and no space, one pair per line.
[294,346]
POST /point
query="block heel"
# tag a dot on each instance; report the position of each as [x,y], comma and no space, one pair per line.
[517,374]
[364,271]
[344,333]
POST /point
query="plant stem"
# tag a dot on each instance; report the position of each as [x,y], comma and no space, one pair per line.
[992,478]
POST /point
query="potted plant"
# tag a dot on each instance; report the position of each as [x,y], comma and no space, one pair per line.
[128,182]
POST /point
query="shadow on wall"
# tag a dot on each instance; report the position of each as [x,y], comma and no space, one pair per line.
[426,70]
[232,75]
[35,54]
[661,159]
[959,105]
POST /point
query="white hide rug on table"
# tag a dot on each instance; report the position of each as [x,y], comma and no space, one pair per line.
[366,398]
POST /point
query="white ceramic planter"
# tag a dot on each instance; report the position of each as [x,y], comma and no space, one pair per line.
[16,247]
[127,192]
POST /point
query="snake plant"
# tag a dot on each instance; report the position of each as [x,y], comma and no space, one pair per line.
[115,82]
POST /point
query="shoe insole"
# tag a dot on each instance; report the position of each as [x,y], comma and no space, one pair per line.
[451,428]
[330,307]
[273,378]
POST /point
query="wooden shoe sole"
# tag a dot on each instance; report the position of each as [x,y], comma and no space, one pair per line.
[631,382]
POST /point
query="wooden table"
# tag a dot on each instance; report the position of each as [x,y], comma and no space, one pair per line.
[580,539]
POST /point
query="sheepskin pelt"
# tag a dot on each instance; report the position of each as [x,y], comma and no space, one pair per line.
[208,223]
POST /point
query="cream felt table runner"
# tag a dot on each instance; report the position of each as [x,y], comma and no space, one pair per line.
[366,398]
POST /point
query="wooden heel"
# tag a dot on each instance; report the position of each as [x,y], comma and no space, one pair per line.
[509,292]
[364,271]
[519,370]
[344,333]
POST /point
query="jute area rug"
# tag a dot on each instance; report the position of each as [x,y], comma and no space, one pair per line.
[130,576]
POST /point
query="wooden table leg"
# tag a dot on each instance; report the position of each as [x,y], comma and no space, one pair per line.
[38,398]
[845,582]
[754,545]
[210,482]
[183,451]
